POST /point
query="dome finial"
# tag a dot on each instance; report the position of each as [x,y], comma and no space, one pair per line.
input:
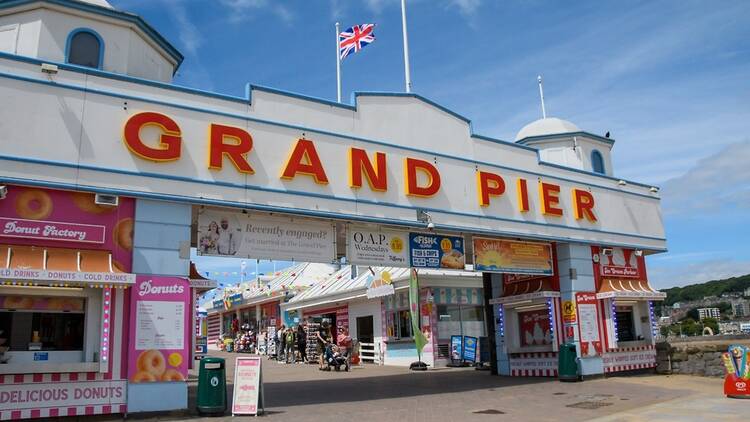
[541,95]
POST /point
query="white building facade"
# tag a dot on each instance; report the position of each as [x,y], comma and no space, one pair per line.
[89,108]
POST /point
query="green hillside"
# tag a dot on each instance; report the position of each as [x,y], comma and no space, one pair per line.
[709,288]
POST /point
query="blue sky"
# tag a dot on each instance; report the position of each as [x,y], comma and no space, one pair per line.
[669,80]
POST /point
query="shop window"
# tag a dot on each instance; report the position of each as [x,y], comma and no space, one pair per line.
[399,324]
[534,328]
[454,320]
[597,162]
[85,48]
[42,323]
[625,323]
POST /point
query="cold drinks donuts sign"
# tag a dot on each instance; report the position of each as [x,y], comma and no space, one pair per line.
[159,313]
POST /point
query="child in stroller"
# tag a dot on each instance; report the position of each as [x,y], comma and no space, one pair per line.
[335,358]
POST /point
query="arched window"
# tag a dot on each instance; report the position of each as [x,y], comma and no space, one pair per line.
[597,162]
[84,48]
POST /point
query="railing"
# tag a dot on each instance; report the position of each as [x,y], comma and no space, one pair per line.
[368,352]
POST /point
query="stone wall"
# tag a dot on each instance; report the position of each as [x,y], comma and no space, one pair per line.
[695,355]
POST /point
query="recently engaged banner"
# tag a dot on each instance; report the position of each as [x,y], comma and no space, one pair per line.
[265,237]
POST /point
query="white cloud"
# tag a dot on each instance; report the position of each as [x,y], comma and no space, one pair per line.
[337,9]
[377,6]
[663,277]
[466,7]
[190,36]
[718,182]
[241,10]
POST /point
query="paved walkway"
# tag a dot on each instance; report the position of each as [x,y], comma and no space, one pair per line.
[302,393]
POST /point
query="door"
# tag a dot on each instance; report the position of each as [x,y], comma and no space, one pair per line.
[364,329]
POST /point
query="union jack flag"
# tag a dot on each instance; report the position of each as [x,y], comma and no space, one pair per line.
[355,38]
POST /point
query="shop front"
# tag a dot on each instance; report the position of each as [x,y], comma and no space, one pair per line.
[529,326]
[626,303]
[64,269]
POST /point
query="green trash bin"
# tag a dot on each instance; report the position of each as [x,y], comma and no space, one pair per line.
[212,386]
[567,364]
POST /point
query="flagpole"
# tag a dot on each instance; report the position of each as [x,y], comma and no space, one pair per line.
[407,72]
[338,66]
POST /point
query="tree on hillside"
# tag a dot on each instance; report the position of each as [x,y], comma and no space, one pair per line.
[711,288]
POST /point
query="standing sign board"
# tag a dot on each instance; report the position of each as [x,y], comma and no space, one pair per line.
[384,248]
[588,324]
[247,398]
[470,349]
[261,236]
[456,346]
[436,251]
[512,256]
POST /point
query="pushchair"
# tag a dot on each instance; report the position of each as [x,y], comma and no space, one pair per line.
[336,358]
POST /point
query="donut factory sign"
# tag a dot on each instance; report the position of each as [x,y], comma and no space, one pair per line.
[51,230]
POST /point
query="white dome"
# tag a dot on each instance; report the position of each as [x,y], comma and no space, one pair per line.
[548,126]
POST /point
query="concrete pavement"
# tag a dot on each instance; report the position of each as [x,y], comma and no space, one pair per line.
[302,393]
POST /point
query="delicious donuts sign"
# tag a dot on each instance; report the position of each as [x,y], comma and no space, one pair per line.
[159,329]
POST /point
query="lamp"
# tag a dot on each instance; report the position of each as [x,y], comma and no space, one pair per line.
[3,191]
[425,217]
[622,182]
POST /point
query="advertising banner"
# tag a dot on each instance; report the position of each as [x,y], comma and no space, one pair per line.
[384,248]
[456,348]
[470,349]
[247,398]
[623,360]
[51,230]
[621,263]
[588,324]
[542,364]
[265,237]
[56,218]
[62,394]
[380,285]
[512,256]
[159,330]
[42,303]
[569,312]
[534,328]
[436,251]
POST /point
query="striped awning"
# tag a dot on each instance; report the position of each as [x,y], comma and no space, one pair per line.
[628,289]
[60,267]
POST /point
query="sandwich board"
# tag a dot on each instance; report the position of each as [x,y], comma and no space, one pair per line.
[247,398]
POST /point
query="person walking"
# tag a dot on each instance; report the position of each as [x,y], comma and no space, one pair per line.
[280,343]
[289,345]
[324,339]
[302,343]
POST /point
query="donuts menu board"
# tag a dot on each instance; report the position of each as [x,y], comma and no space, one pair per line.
[159,330]
[512,256]
[56,218]
[260,236]
[429,250]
